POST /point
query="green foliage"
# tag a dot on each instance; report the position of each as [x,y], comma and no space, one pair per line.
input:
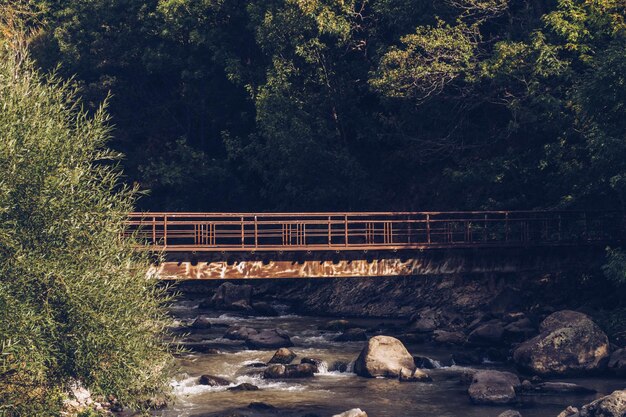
[615,267]
[75,301]
[431,58]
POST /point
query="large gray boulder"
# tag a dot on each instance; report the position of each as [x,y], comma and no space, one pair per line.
[383,356]
[569,343]
[613,405]
[494,387]
[229,296]
[268,339]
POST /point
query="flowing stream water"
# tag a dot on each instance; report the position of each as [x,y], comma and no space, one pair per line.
[329,393]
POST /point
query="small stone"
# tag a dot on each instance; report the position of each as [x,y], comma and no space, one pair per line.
[417,375]
[156,403]
[510,413]
[278,371]
[256,365]
[519,331]
[569,412]
[351,335]
[466,358]
[239,333]
[445,337]
[339,366]
[201,322]
[303,370]
[260,406]
[355,412]
[229,296]
[467,376]
[264,309]
[617,363]
[424,325]
[486,335]
[493,387]
[337,325]
[283,355]
[242,306]
[244,387]
[312,361]
[269,339]
[424,362]
[563,388]
[213,381]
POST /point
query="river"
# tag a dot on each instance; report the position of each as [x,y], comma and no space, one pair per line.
[331,392]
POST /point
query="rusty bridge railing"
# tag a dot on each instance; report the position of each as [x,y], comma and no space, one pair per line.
[371,231]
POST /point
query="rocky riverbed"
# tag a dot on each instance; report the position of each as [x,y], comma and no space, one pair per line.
[251,355]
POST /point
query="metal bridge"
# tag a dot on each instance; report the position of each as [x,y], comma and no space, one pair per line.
[271,245]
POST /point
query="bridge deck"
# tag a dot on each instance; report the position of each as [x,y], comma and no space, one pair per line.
[373,231]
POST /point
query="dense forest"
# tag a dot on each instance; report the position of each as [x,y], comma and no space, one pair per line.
[356,105]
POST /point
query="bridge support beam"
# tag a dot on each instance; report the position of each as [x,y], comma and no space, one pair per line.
[227,266]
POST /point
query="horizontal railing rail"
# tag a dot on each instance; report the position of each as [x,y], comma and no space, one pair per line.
[371,230]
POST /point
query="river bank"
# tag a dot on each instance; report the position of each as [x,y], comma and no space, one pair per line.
[206,314]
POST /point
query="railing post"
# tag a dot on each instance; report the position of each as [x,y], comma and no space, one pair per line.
[409,229]
[485,229]
[256,232]
[388,232]
[165,230]
[506,226]
[243,241]
[330,243]
[428,228]
[154,230]
[346,229]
